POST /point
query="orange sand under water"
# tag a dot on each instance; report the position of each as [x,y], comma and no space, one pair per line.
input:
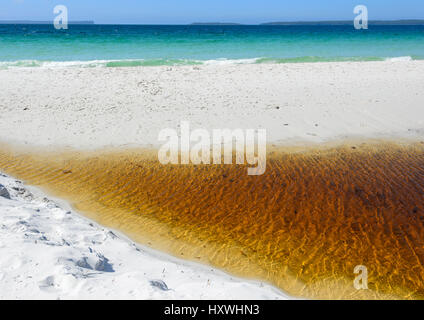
[303,226]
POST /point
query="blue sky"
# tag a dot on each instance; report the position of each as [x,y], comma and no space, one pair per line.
[187,11]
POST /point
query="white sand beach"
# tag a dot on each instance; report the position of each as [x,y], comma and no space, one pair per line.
[49,251]
[308,102]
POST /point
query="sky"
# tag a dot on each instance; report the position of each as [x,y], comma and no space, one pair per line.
[188,11]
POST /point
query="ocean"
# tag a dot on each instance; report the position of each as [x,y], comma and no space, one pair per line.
[150,45]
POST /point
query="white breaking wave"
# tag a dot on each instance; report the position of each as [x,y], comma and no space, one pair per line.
[225,61]
[143,62]
[52,64]
[118,63]
[397,59]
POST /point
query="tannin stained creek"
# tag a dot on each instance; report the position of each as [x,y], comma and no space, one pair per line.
[304,225]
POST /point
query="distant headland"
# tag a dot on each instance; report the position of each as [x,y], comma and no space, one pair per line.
[41,22]
[325,22]
[215,24]
[349,22]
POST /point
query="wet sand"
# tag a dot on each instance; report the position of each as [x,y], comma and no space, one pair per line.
[315,214]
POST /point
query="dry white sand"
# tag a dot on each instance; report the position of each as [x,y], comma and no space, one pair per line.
[94,107]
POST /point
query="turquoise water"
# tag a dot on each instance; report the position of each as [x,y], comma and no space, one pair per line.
[131,45]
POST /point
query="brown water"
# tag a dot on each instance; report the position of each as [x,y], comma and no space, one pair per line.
[303,226]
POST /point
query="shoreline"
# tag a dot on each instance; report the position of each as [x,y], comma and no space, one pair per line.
[158,62]
[60,279]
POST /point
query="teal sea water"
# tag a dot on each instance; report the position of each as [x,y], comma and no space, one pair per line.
[143,45]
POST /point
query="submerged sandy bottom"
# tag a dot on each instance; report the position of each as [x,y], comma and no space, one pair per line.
[303,226]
